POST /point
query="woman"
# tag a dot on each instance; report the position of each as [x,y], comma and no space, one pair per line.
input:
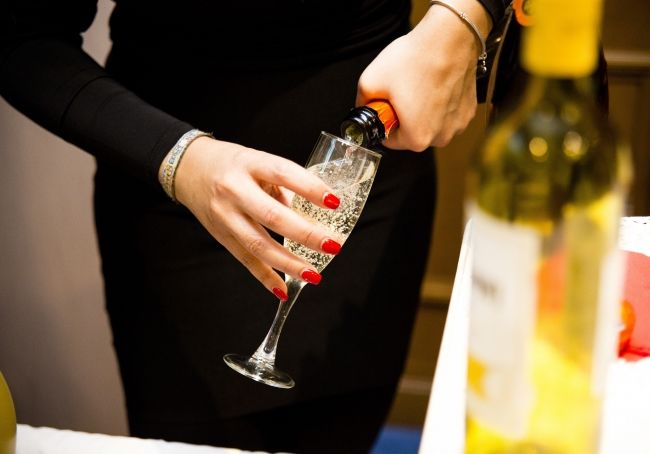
[258,76]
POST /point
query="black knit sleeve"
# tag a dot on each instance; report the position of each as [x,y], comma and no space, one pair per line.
[45,74]
[496,8]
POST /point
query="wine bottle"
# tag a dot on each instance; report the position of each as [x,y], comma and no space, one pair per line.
[369,125]
[504,87]
[7,419]
[547,191]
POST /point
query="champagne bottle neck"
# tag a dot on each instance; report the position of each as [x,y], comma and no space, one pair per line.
[369,125]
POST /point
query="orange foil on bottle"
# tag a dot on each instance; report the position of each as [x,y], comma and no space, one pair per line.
[386,114]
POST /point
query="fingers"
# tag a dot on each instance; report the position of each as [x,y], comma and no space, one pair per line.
[421,139]
[260,254]
[265,210]
[253,197]
[237,192]
[290,175]
[436,125]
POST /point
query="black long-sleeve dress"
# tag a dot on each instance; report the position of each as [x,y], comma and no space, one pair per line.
[269,75]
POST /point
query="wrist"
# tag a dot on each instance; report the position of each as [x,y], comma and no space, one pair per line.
[473,17]
[170,164]
[475,12]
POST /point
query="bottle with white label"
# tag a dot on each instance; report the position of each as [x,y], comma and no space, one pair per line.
[547,193]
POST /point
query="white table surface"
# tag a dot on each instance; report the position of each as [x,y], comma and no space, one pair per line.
[46,440]
[626,417]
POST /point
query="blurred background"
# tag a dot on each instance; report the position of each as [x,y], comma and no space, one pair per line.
[55,343]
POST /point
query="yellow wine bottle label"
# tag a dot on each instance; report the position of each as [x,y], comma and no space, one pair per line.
[563,38]
[503,298]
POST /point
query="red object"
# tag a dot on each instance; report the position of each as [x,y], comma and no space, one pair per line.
[637,292]
[521,12]
[280,294]
[311,276]
[628,320]
[331,201]
[331,247]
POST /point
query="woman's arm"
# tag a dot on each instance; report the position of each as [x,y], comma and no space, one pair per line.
[234,191]
[45,74]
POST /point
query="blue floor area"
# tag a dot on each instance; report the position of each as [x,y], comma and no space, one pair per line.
[397,440]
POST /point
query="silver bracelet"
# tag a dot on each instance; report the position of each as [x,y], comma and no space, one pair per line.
[482,59]
[167,174]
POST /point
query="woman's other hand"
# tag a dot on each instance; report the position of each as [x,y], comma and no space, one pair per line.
[429,76]
[237,192]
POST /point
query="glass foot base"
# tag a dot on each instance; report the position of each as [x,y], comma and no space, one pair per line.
[260,371]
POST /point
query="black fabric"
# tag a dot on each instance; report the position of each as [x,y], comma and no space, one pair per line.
[496,8]
[343,424]
[268,75]
[45,74]
[256,32]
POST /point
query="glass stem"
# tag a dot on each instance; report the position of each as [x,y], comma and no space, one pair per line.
[266,351]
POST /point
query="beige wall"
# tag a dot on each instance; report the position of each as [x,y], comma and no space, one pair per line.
[55,344]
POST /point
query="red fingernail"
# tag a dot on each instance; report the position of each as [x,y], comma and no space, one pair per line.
[280,294]
[311,276]
[331,247]
[331,201]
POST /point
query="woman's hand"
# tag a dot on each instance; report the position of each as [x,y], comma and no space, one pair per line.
[429,77]
[236,191]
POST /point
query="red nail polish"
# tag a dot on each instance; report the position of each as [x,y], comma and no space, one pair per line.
[280,294]
[331,201]
[331,247]
[311,276]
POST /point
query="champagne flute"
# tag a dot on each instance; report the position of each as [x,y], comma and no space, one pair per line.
[350,171]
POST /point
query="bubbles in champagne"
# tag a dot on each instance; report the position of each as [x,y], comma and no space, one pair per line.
[352,186]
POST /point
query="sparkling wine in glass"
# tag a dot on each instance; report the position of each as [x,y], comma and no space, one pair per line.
[349,170]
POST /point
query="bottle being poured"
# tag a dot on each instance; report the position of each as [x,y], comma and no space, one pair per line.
[371,124]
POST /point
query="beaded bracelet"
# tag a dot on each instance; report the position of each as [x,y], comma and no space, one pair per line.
[482,59]
[167,174]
